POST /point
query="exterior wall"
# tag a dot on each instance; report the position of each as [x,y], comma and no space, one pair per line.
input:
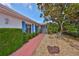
[12,22]
[28,22]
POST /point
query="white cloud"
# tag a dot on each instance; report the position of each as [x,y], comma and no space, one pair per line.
[28,5]
[10,6]
[7,4]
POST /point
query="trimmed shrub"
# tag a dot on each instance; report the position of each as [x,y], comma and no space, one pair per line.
[11,39]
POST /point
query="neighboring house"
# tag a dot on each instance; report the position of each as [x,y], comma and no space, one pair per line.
[11,19]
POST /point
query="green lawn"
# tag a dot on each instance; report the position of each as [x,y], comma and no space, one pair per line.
[12,39]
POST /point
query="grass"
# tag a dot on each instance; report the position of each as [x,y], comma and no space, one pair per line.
[12,39]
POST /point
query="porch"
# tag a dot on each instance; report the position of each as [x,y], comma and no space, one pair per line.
[33,27]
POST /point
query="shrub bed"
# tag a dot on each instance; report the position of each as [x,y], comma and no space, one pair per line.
[52,28]
[11,39]
[72,29]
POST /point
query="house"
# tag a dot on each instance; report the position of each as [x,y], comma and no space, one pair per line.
[12,19]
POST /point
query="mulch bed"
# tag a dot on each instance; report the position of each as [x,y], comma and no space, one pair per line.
[53,49]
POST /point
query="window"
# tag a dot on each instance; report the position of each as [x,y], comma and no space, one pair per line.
[6,21]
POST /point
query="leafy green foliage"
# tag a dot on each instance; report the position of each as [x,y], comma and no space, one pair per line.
[60,13]
[72,29]
[72,12]
[11,39]
[52,28]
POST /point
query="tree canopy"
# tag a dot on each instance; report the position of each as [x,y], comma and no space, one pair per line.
[58,11]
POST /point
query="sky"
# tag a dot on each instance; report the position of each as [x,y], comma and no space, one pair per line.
[29,10]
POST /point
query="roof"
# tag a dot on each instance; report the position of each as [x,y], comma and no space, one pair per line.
[6,10]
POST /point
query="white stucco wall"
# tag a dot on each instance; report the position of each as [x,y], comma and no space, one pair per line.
[13,22]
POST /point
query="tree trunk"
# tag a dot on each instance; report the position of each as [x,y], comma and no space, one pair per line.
[61,30]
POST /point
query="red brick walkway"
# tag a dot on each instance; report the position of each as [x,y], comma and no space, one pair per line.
[28,48]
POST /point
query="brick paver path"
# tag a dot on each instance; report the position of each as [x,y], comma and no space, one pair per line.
[28,48]
[65,48]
